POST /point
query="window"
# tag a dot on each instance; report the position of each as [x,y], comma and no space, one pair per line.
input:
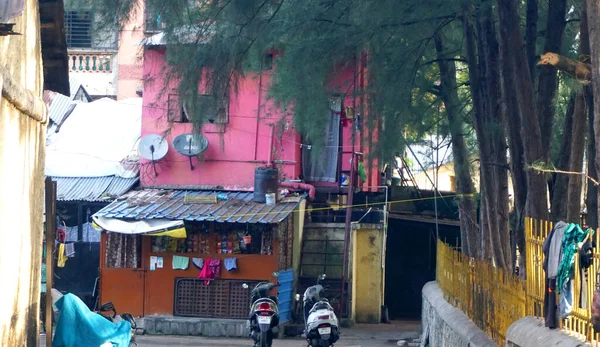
[176,111]
[268,62]
[215,111]
[78,27]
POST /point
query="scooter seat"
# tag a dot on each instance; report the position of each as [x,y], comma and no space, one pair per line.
[321,306]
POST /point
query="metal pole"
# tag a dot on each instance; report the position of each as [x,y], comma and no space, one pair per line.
[349,203]
[50,237]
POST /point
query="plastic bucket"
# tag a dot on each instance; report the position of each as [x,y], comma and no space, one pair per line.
[271,199]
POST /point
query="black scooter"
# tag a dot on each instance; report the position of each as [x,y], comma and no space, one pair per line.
[263,322]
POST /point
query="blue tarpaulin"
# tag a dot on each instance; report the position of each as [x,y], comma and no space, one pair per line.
[78,326]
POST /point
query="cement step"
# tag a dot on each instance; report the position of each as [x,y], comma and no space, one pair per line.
[186,326]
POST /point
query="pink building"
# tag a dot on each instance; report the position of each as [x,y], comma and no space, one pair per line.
[253,133]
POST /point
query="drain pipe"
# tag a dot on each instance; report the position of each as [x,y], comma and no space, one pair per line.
[270,156]
[298,185]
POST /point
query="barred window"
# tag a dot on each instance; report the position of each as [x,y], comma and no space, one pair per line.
[123,251]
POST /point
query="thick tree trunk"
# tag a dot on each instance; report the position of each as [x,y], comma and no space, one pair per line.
[548,81]
[593,16]
[576,159]
[464,182]
[561,181]
[498,166]
[482,56]
[531,34]
[592,191]
[517,163]
[537,196]
[591,201]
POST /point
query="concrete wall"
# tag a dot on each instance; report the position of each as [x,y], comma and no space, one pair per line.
[445,325]
[531,332]
[367,272]
[22,129]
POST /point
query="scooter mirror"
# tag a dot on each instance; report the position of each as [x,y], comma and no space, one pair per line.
[297,297]
[245,285]
[275,274]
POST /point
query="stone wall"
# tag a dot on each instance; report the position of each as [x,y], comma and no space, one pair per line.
[445,325]
[531,332]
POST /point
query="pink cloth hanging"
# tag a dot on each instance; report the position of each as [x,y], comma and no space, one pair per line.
[211,270]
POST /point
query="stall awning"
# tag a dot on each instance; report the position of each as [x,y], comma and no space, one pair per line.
[190,205]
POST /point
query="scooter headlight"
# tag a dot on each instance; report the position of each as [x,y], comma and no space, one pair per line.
[297,297]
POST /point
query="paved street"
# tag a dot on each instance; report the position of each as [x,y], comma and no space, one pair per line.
[358,336]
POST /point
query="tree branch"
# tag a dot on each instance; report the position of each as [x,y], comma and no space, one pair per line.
[580,71]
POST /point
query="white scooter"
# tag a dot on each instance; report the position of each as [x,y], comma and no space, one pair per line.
[321,324]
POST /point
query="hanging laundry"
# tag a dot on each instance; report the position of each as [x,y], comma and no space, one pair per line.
[180,263]
[552,249]
[230,264]
[70,250]
[62,258]
[211,270]
[198,263]
[572,240]
[566,270]
[586,257]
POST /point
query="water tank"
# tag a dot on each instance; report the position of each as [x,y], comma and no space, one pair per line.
[266,180]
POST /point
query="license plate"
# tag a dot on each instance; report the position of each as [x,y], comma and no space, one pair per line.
[324,331]
[264,319]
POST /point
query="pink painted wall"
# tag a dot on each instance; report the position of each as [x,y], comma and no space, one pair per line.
[233,154]
[129,55]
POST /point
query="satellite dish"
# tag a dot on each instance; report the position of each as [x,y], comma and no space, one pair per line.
[153,147]
[190,145]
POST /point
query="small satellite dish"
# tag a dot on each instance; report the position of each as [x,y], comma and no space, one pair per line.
[153,147]
[190,145]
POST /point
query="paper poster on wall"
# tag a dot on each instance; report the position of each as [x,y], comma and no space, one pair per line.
[152,263]
[159,263]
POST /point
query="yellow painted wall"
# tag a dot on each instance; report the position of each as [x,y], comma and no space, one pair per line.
[21,185]
[367,272]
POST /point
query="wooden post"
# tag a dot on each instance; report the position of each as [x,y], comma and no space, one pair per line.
[50,237]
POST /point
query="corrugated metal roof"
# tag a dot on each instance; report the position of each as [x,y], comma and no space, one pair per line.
[169,204]
[96,189]
[59,104]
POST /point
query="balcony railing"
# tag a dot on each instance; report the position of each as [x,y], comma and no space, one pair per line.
[91,62]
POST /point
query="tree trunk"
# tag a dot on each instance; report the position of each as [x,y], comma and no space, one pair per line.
[561,181]
[592,191]
[576,159]
[464,182]
[593,16]
[548,81]
[537,196]
[517,163]
[531,34]
[482,56]
[498,166]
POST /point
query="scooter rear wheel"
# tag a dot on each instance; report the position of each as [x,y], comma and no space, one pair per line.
[325,343]
[264,339]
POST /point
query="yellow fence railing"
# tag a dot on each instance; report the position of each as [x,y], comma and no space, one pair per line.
[494,299]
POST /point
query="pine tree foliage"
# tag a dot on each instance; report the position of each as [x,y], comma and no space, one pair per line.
[314,41]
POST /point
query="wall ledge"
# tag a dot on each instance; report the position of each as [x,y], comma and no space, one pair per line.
[530,331]
[453,318]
